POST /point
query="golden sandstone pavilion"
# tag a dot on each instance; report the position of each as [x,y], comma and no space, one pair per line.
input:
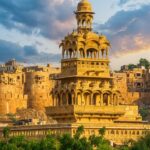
[85,93]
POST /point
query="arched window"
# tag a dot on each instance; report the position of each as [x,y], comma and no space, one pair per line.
[69,99]
[105,99]
[87,98]
[89,53]
[64,99]
[83,23]
[92,52]
[70,53]
[96,98]
[58,100]
[81,53]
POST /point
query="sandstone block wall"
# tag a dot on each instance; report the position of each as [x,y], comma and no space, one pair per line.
[22,88]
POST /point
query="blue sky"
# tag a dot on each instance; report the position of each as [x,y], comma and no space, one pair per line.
[31,30]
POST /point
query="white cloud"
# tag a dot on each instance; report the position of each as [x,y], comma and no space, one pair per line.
[42,44]
[134,4]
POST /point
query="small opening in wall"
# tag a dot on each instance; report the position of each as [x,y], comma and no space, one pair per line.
[18,77]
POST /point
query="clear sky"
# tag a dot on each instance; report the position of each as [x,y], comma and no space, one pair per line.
[31,30]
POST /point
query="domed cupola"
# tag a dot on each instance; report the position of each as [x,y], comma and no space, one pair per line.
[84,6]
[84,16]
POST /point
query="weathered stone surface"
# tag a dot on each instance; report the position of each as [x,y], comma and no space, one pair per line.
[25,87]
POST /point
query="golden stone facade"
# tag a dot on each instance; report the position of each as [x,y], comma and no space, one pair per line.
[133,84]
[85,73]
[38,86]
[12,95]
[25,87]
[85,92]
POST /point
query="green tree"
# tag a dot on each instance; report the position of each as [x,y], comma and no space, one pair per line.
[49,143]
[66,142]
[79,132]
[9,147]
[102,131]
[6,132]
[99,142]
[81,143]
[144,62]
[77,142]
[142,144]
[144,112]
[132,66]
[2,143]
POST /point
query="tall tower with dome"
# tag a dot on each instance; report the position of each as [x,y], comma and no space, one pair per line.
[85,93]
[85,73]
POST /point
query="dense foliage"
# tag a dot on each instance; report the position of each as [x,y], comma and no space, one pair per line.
[66,142]
[144,112]
[142,62]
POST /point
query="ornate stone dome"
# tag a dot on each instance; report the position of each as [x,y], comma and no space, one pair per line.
[84,6]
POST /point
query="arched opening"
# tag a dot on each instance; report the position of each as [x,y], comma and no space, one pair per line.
[58,100]
[70,53]
[73,97]
[53,99]
[87,98]
[74,47]
[83,23]
[64,99]
[91,53]
[81,53]
[69,99]
[89,24]
[96,98]
[106,99]
[102,52]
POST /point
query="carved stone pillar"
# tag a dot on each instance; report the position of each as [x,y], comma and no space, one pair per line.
[91,99]
[111,99]
[101,99]
[66,99]
[82,100]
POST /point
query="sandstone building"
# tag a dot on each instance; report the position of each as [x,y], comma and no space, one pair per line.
[25,87]
[86,93]
[133,84]
[12,81]
[38,86]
